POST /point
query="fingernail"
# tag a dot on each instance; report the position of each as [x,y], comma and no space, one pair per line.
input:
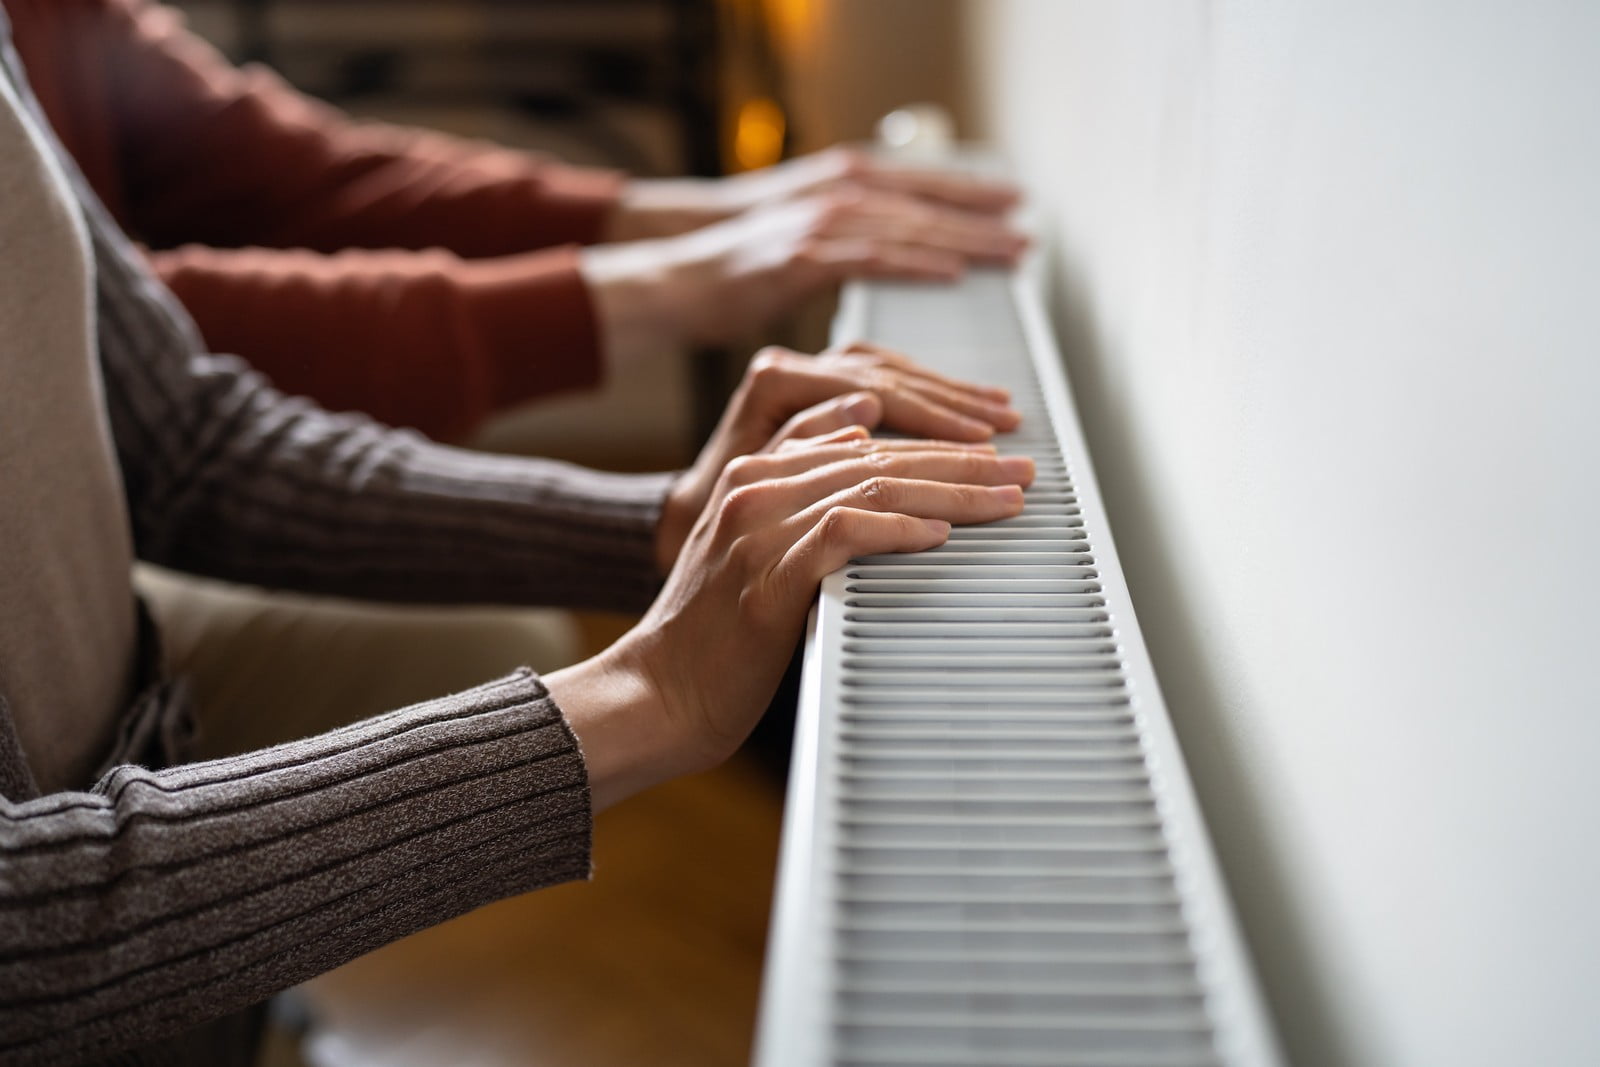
[1018,467]
[1009,494]
[937,526]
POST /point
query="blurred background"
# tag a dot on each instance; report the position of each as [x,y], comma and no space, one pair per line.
[1325,277]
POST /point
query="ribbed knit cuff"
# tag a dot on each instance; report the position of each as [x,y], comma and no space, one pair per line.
[581,198]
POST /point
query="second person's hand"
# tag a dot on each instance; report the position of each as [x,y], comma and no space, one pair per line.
[724,282]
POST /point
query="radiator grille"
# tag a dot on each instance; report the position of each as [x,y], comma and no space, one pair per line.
[992,853]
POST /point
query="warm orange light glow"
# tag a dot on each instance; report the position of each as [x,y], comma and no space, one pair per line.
[758,139]
[793,20]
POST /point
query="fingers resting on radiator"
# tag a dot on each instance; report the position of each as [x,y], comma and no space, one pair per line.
[724,282]
[682,690]
[787,398]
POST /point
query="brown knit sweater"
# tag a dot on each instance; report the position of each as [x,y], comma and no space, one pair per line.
[163,896]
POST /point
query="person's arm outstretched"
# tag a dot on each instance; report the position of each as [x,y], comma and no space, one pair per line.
[158,900]
[161,899]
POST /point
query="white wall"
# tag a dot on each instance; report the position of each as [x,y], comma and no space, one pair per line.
[1329,283]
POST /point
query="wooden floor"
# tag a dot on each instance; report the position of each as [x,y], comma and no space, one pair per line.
[656,961]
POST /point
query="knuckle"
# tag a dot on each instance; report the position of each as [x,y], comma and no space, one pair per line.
[739,503]
[881,378]
[768,361]
[882,461]
[878,490]
[836,523]
[972,495]
[741,471]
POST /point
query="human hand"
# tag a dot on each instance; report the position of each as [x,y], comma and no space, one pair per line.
[680,691]
[844,166]
[663,208]
[724,282]
[786,396]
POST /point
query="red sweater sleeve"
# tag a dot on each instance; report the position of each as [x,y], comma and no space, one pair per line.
[233,157]
[422,339]
[188,150]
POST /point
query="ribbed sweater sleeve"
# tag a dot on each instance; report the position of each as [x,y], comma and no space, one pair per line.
[161,899]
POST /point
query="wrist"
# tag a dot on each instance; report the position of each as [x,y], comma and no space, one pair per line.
[651,296]
[616,710]
[632,287]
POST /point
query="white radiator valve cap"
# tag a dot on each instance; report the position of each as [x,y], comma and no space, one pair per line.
[917,130]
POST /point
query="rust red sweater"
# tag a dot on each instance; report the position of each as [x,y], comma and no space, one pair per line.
[424,279]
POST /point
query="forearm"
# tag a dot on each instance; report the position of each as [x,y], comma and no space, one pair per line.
[161,899]
[651,295]
[724,282]
[289,496]
[615,708]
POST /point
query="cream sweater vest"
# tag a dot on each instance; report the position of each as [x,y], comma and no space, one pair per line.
[66,551]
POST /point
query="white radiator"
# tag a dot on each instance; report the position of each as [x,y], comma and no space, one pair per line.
[992,853]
